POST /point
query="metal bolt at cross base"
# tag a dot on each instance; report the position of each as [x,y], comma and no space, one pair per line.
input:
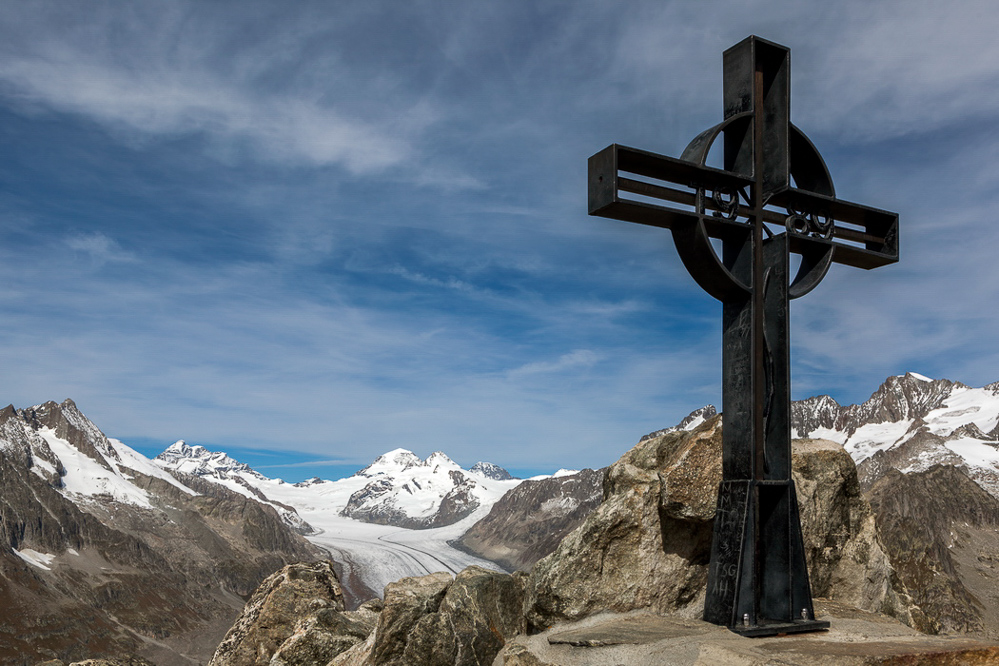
[773,177]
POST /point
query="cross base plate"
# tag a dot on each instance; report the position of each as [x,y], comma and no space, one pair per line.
[778,628]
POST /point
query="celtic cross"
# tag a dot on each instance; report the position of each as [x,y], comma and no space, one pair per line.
[773,197]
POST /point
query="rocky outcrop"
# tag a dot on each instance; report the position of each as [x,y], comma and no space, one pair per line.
[112,661]
[434,620]
[846,558]
[295,616]
[329,633]
[529,521]
[647,545]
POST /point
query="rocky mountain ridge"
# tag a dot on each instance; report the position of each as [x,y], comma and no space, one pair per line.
[911,423]
[104,552]
[918,441]
[216,466]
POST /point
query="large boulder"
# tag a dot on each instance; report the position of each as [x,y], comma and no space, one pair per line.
[846,558]
[434,620]
[295,617]
[647,545]
[328,633]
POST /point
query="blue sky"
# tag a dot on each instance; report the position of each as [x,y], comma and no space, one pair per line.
[308,233]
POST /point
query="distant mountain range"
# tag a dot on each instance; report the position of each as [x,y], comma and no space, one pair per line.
[106,548]
[397,489]
[910,424]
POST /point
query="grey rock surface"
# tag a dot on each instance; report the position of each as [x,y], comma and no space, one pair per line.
[434,620]
[941,531]
[647,545]
[856,638]
[294,611]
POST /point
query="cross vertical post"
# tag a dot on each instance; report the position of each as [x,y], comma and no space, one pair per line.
[773,197]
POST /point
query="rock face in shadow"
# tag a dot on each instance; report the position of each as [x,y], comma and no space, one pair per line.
[528,522]
[647,545]
[940,530]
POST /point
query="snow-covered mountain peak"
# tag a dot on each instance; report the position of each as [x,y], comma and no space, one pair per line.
[394,461]
[199,461]
[68,423]
[403,490]
[689,422]
[488,470]
[60,445]
[218,467]
[181,449]
[917,377]
[911,423]
[437,458]
[907,396]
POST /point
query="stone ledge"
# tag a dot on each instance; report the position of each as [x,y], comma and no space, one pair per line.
[639,638]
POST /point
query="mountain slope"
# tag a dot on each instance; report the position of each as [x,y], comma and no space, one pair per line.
[218,468]
[529,521]
[105,553]
[940,531]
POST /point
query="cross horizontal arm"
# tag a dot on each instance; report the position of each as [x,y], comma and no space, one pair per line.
[877,229]
[606,184]
[868,237]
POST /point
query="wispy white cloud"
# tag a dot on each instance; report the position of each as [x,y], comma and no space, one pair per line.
[289,129]
[100,248]
[144,73]
[578,358]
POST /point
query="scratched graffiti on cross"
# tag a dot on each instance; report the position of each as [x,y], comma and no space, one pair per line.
[773,198]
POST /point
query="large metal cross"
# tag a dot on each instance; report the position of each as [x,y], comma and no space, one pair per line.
[773,197]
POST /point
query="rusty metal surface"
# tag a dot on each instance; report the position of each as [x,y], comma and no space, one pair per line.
[773,197]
